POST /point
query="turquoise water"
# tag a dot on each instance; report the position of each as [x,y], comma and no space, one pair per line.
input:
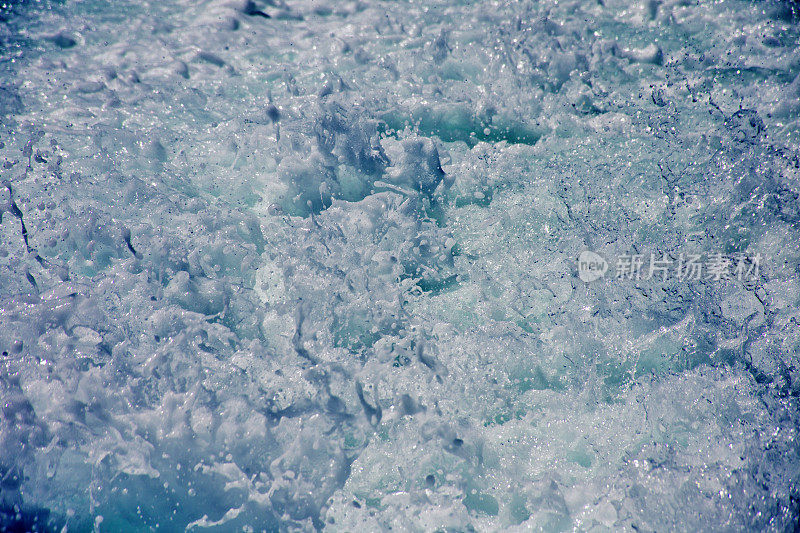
[415,266]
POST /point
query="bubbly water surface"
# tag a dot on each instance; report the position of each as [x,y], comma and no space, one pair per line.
[287,265]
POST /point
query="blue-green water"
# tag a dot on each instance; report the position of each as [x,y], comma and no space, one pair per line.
[415,266]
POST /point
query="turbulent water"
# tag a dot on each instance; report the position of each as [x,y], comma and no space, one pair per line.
[291,265]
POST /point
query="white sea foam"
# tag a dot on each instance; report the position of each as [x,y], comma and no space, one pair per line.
[291,265]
